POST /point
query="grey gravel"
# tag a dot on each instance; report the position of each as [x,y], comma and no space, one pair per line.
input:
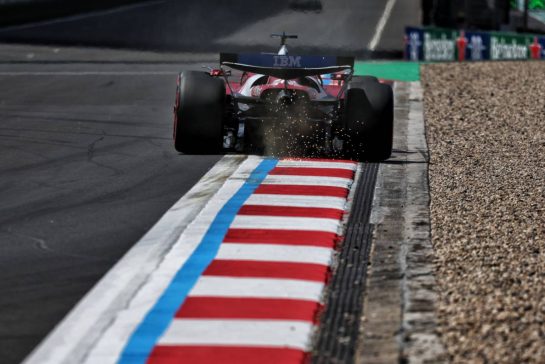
[486,133]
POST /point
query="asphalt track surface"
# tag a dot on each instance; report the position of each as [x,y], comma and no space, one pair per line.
[86,159]
[345,26]
[87,167]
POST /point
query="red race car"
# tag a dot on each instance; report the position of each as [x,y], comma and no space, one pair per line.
[284,102]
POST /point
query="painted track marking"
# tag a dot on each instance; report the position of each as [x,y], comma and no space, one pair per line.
[214,332]
[381,24]
[245,279]
[225,355]
[275,253]
[78,333]
[184,277]
[283,237]
[266,210]
[257,288]
[297,201]
[285,223]
[249,308]
[267,269]
[307,181]
[302,190]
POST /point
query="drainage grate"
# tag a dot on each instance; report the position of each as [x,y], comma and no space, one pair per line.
[339,324]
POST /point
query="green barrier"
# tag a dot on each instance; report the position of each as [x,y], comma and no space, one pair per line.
[396,71]
[509,46]
[532,4]
[439,44]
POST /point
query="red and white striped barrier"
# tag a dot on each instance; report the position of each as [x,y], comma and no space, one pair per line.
[244,282]
[259,298]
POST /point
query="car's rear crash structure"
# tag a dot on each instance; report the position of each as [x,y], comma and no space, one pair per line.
[305,101]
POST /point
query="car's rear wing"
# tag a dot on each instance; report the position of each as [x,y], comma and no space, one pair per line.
[286,66]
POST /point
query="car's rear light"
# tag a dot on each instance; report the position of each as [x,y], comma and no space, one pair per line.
[338,76]
[218,72]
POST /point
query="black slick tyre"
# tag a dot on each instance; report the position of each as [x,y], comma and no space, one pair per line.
[198,113]
[359,81]
[368,120]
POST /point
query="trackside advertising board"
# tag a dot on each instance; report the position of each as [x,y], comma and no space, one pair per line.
[532,4]
[435,45]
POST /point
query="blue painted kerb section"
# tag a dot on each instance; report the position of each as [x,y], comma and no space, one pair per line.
[157,320]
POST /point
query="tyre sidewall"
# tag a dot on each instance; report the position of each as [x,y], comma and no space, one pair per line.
[200,112]
[369,120]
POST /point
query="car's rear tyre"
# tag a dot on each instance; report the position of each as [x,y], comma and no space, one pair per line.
[254,133]
[359,81]
[368,120]
[198,113]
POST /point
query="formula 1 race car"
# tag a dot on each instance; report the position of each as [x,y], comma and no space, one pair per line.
[285,104]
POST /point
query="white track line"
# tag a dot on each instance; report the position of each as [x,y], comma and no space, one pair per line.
[381,24]
[297,201]
[88,322]
[311,164]
[97,330]
[285,223]
[127,319]
[268,333]
[275,253]
[307,181]
[211,286]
